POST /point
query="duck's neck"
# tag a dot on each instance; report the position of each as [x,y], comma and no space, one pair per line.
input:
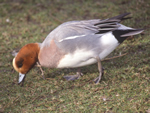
[36,52]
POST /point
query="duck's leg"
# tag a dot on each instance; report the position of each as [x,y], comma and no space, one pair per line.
[38,65]
[74,77]
[100,71]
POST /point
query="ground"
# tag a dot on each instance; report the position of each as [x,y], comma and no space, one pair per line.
[125,86]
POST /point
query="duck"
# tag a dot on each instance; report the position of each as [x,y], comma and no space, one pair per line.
[75,44]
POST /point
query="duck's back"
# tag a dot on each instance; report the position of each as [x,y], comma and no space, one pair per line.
[78,43]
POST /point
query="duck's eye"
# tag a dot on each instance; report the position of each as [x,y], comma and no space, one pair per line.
[20,65]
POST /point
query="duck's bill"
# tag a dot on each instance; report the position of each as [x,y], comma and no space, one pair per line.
[21,77]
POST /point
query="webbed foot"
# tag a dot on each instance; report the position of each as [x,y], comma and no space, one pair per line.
[73,77]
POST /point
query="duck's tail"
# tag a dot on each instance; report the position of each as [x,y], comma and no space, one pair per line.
[113,24]
[122,34]
[113,20]
[121,17]
[131,32]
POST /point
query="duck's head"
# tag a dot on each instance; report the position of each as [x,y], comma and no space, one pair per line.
[26,59]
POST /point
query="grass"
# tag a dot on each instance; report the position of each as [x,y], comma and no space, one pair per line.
[125,86]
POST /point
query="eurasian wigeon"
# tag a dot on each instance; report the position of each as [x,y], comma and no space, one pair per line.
[75,44]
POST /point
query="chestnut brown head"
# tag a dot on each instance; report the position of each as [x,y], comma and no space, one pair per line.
[26,59]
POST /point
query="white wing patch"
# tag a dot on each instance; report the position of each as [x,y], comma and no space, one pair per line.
[71,37]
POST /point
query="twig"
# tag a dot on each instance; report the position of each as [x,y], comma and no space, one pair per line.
[113,57]
[55,18]
[33,100]
[10,102]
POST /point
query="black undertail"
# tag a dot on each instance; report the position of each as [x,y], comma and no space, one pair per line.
[121,35]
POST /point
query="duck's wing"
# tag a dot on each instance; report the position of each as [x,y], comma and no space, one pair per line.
[86,27]
[75,29]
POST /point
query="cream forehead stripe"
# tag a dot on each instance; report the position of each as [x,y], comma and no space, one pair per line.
[14,65]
